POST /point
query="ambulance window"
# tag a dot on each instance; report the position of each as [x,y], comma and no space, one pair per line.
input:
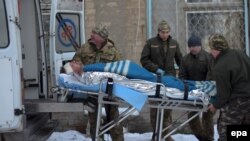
[4,40]
[67,32]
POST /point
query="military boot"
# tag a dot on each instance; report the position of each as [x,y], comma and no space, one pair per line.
[169,139]
[202,138]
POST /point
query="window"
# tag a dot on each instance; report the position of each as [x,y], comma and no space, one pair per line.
[67,32]
[230,23]
[4,36]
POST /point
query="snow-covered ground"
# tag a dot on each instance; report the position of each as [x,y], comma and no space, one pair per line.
[76,136]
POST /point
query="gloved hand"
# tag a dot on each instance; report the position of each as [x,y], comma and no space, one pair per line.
[160,71]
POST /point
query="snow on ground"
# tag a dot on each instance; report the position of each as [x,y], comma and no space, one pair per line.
[72,135]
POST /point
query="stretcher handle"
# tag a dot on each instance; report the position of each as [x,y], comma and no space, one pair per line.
[109,87]
[185,91]
[158,86]
[157,116]
[109,90]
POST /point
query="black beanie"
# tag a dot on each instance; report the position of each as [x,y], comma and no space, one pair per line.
[194,41]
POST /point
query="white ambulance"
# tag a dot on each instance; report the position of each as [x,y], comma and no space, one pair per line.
[31,58]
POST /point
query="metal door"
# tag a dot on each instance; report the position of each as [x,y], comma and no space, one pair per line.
[11,68]
[66,33]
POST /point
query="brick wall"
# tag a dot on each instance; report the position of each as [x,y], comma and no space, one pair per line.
[126,21]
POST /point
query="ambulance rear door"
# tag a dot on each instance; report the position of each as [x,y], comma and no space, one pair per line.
[66,33]
[11,108]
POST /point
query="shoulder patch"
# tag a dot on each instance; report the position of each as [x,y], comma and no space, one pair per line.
[172,46]
[154,46]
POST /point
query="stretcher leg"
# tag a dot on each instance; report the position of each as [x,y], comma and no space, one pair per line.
[181,125]
[98,122]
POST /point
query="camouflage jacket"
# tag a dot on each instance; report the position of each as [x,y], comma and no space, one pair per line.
[159,54]
[89,54]
[231,71]
[196,67]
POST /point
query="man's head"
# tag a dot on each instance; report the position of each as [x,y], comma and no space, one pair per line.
[164,30]
[194,45]
[99,34]
[101,30]
[217,43]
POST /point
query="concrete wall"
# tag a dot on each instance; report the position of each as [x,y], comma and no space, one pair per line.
[164,10]
[71,121]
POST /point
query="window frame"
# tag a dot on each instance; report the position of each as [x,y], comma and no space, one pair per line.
[4,12]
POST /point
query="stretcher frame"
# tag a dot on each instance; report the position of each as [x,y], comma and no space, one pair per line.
[160,103]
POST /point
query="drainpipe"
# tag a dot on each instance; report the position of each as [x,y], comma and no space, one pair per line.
[149,19]
[246,10]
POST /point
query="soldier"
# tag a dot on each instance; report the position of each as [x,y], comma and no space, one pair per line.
[158,56]
[99,49]
[196,65]
[231,71]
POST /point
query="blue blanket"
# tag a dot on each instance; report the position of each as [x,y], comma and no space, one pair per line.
[134,71]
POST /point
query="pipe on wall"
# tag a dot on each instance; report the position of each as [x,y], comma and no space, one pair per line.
[149,19]
[246,17]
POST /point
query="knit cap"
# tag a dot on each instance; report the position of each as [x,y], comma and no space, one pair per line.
[163,25]
[194,41]
[218,42]
[101,30]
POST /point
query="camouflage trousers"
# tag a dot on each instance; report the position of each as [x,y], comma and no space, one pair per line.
[167,119]
[236,112]
[202,128]
[116,132]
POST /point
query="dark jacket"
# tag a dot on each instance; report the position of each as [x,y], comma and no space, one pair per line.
[231,72]
[196,67]
[159,54]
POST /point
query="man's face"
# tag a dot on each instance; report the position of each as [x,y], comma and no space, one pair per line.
[96,39]
[164,34]
[195,49]
[214,53]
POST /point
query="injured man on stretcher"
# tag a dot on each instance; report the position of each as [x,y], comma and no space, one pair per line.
[134,84]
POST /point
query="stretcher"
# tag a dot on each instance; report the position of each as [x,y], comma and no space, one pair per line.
[133,94]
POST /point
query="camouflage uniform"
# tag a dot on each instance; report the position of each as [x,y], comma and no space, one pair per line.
[236,112]
[161,54]
[198,68]
[232,83]
[89,54]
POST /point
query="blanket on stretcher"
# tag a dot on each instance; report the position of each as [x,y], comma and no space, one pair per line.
[133,97]
[134,71]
